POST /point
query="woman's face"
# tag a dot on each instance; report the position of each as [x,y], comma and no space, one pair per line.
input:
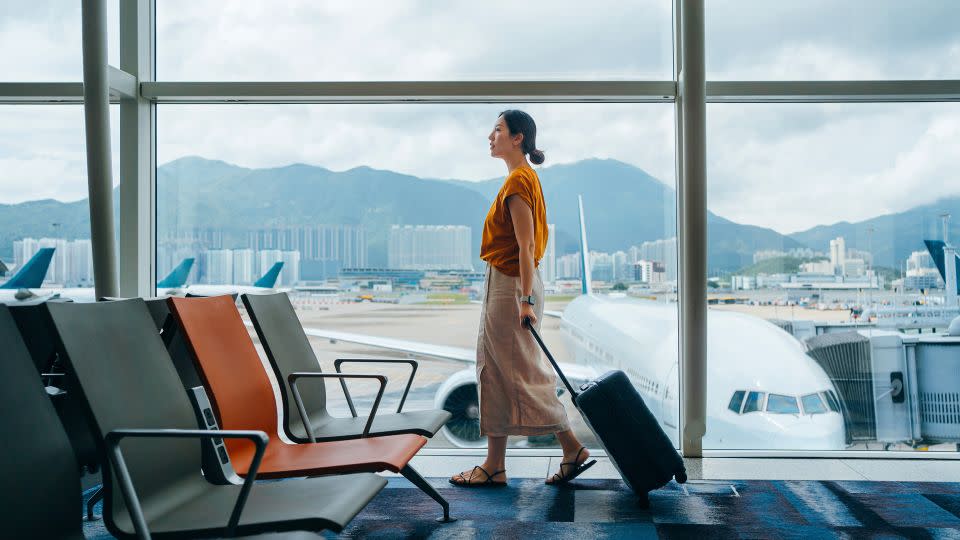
[502,143]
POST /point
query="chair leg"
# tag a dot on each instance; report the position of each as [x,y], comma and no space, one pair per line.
[417,480]
[94,499]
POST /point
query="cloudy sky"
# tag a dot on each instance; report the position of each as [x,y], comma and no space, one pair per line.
[787,167]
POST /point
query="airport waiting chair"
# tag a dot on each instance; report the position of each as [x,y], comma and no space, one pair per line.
[36,329]
[130,391]
[289,352]
[41,485]
[242,398]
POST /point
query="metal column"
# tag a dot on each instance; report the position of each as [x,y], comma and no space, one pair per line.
[692,227]
[96,110]
[137,165]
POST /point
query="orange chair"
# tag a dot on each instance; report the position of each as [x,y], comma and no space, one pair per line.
[242,398]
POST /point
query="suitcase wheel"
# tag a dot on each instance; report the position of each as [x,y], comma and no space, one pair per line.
[681,477]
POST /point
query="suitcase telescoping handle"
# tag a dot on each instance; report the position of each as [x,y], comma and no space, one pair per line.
[573,393]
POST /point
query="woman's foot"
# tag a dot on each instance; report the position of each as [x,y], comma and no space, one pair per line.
[480,475]
[571,466]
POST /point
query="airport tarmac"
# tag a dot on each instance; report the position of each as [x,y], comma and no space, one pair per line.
[456,325]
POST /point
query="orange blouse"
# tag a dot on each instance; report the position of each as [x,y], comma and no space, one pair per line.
[499,243]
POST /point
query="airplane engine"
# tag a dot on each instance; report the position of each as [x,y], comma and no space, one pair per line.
[458,395]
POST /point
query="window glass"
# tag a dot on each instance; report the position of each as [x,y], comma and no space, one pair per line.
[832,401]
[376,212]
[812,404]
[780,404]
[50,30]
[797,270]
[386,40]
[43,196]
[754,401]
[828,40]
[736,401]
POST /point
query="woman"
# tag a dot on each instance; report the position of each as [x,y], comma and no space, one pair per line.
[517,388]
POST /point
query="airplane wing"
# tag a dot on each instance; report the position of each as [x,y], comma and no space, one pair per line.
[576,373]
[442,352]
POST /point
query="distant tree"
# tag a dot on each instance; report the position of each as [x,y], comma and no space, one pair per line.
[713,284]
[619,287]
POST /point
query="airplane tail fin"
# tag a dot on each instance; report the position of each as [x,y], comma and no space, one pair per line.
[270,278]
[178,276]
[585,286]
[935,247]
[31,275]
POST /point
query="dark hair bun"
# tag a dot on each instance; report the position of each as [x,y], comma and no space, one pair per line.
[536,156]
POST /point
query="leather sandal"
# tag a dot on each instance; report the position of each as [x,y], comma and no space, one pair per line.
[489,482]
[575,471]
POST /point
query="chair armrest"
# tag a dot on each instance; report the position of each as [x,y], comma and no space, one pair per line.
[292,380]
[112,441]
[413,371]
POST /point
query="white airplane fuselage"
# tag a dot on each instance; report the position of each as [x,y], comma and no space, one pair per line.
[744,353]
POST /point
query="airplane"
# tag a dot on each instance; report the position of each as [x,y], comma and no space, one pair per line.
[263,285]
[171,284]
[29,276]
[764,391]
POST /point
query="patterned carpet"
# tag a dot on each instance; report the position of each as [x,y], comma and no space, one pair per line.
[530,510]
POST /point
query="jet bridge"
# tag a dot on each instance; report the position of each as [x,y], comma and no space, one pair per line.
[894,387]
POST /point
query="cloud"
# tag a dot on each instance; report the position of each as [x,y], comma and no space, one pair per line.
[788,167]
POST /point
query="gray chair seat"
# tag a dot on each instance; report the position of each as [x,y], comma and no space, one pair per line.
[326,427]
[334,501]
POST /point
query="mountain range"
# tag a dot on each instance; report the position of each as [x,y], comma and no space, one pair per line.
[624,206]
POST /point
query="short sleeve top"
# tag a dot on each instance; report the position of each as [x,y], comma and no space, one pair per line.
[498,245]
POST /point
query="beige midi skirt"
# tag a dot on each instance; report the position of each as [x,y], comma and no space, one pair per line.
[517,385]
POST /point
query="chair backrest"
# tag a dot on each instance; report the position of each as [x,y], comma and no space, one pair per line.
[289,351]
[126,380]
[175,342]
[228,363]
[41,484]
[33,321]
[37,332]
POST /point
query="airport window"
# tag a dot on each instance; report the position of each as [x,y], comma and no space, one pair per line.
[383,40]
[812,404]
[780,404]
[819,267]
[736,401]
[754,402]
[851,40]
[44,190]
[336,193]
[50,31]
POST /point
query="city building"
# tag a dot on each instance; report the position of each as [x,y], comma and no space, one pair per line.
[430,247]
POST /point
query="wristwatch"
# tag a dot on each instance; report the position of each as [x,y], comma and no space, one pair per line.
[528,299]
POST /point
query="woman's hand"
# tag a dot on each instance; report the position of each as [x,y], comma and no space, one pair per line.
[526,310]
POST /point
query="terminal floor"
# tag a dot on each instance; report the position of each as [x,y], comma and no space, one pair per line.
[770,498]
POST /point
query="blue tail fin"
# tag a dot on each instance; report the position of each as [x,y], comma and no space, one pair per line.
[935,247]
[585,286]
[178,276]
[270,278]
[31,275]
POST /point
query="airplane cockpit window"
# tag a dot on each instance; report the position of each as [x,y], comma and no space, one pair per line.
[781,404]
[812,404]
[736,401]
[831,400]
[754,400]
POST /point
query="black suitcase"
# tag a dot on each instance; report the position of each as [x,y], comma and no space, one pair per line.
[628,431]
